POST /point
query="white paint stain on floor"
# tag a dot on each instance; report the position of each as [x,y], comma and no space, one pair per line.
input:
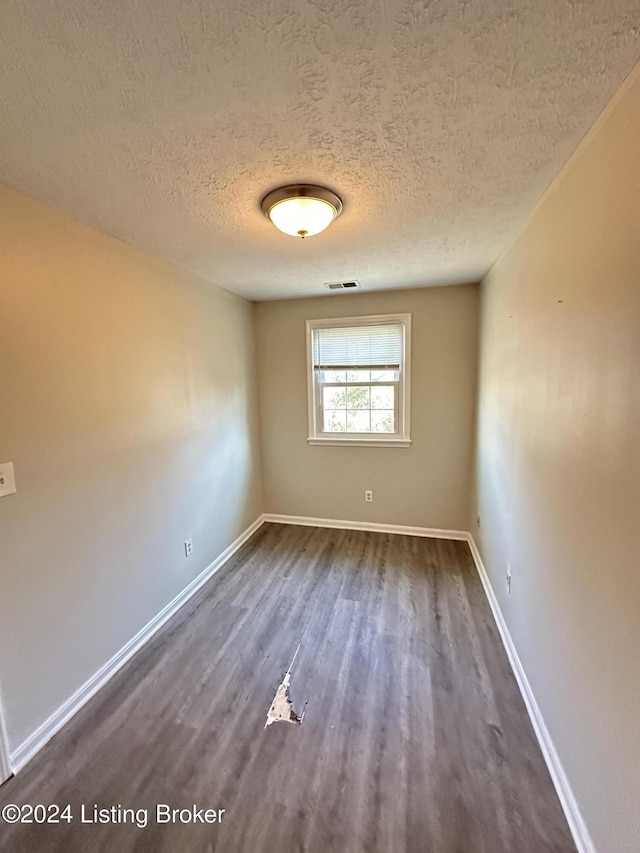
[281,709]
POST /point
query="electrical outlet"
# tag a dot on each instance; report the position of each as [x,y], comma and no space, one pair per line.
[188,548]
[368,496]
[509,578]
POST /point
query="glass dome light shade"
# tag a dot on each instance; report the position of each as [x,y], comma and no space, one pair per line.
[302,217]
[302,210]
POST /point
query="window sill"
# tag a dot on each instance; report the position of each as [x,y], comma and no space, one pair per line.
[362,442]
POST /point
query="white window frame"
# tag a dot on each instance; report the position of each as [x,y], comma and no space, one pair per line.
[401,438]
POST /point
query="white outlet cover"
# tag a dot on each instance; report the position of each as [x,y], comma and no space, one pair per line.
[7,479]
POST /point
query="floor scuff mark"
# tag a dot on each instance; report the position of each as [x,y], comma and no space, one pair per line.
[281,709]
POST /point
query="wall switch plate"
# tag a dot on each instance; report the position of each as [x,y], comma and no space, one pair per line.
[7,479]
[509,579]
[368,496]
[188,548]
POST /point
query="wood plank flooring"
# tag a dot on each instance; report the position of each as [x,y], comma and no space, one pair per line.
[415,737]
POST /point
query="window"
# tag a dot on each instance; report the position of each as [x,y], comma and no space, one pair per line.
[358,369]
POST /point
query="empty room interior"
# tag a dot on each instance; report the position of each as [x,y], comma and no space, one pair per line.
[320,426]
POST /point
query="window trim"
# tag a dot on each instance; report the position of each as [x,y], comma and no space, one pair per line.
[400,439]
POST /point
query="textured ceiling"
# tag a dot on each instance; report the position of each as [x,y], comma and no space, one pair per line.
[163,122]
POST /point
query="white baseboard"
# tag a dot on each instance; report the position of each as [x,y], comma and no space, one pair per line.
[567,799]
[51,726]
[373,526]
[5,759]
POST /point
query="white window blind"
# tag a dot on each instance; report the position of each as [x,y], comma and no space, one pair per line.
[358,346]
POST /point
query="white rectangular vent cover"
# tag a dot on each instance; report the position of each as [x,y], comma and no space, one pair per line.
[342,285]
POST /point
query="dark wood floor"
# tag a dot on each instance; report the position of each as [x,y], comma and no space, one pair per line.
[415,737]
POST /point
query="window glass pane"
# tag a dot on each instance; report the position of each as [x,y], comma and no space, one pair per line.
[358,375]
[334,398]
[333,375]
[382,398]
[358,420]
[382,421]
[385,375]
[335,420]
[357,397]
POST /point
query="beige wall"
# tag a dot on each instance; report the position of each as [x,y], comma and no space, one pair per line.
[558,468]
[128,407]
[428,484]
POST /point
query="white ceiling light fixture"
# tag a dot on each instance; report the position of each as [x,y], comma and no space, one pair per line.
[301,210]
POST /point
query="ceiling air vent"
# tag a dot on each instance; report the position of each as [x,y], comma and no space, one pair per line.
[342,285]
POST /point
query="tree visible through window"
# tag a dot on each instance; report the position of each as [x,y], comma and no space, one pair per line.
[359,407]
